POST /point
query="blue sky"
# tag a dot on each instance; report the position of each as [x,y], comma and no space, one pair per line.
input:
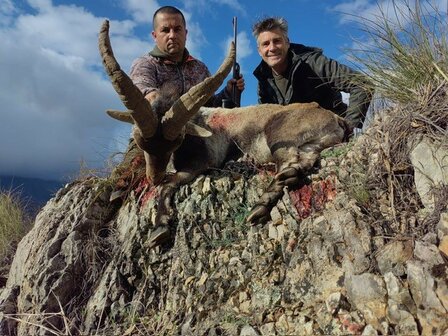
[53,91]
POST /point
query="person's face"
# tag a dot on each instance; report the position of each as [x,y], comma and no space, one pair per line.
[170,35]
[273,48]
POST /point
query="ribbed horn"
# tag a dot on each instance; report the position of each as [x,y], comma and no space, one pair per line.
[140,108]
[190,102]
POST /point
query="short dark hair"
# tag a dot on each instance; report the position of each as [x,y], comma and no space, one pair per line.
[167,10]
[269,24]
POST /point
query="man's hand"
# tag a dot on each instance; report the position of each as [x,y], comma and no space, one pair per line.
[152,96]
[239,85]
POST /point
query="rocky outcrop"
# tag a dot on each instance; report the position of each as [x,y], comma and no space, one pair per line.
[325,264]
[430,161]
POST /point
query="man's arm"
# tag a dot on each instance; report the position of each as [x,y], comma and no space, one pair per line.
[143,75]
[343,78]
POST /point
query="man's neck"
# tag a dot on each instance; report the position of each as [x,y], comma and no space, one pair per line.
[175,58]
[281,69]
[172,58]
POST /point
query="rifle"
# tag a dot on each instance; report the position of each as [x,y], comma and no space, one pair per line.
[236,94]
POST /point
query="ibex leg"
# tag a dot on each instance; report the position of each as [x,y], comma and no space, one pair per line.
[165,212]
[293,171]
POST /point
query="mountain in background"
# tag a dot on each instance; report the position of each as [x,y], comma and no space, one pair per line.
[33,192]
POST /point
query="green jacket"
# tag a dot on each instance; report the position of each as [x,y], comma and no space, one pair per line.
[314,77]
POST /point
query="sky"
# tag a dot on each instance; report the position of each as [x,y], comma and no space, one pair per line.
[54,91]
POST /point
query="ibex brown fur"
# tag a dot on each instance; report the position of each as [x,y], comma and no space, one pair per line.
[290,136]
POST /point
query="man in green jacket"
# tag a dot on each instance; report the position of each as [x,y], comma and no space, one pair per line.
[294,73]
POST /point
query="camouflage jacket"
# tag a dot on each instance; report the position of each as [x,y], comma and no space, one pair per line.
[151,71]
[314,77]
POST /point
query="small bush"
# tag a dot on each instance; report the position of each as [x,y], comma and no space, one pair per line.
[13,222]
[404,54]
[404,50]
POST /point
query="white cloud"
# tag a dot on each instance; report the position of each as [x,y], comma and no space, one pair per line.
[207,5]
[195,39]
[394,11]
[67,30]
[53,91]
[7,9]
[243,47]
[141,10]
[233,4]
[41,5]
[350,10]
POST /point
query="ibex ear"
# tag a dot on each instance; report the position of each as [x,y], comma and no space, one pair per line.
[121,116]
[196,130]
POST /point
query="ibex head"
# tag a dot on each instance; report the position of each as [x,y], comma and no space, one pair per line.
[157,137]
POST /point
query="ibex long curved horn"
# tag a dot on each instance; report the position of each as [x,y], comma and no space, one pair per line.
[190,102]
[140,108]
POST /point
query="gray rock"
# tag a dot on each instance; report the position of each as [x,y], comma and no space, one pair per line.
[369,331]
[393,257]
[427,253]
[430,311]
[430,162]
[400,307]
[442,226]
[367,292]
[247,330]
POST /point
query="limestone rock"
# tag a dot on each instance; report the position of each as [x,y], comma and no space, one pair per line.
[393,257]
[430,163]
[368,293]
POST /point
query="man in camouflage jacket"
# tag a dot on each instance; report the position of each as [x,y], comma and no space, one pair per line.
[169,64]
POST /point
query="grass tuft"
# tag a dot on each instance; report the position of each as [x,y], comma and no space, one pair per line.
[404,50]
[14,222]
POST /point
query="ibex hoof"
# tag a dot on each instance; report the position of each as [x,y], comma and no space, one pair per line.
[289,176]
[286,173]
[159,236]
[259,215]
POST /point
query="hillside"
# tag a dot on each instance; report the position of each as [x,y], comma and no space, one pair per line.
[360,248]
[340,256]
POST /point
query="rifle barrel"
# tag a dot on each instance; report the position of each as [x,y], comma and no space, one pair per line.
[236,67]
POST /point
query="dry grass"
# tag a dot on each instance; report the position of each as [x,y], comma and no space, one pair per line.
[131,171]
[49,323]
[13,222]
[404,54]
[403,49]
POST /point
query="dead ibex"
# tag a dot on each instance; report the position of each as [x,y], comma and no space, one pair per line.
[290,136]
